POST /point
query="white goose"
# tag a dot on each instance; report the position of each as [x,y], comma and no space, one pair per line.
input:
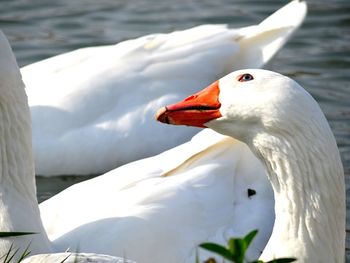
[93,108]
[213,187]
[285,128]
[19,211]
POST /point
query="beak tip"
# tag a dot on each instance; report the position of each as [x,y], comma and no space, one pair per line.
[161,115]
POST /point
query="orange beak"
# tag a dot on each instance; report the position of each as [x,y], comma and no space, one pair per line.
[195,110]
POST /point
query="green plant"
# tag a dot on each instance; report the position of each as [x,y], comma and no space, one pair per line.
[236,249]
[12,252]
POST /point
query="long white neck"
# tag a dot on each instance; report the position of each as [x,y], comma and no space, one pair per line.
[307,177]
[19,211]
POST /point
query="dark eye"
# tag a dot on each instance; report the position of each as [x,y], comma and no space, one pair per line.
[245,77]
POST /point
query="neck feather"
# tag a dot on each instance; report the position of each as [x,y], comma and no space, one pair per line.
[19,211]
[17,169]
[307,177]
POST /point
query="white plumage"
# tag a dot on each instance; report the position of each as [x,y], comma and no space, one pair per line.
[93,108]
[159,209]
[168,203]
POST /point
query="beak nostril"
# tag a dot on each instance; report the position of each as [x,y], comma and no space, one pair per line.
[191,97]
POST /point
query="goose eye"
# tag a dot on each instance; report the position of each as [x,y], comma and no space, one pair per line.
[245,77]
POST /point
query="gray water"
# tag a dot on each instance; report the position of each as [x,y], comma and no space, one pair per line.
[318,56]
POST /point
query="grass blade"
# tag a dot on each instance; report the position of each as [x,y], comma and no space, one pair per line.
[25,253]
[7,254]
[282,260]
[15,234]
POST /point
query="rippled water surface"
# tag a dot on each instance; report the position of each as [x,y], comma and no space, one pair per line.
[318,56]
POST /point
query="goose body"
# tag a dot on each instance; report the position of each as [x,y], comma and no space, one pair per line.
[92,109]
[210,188]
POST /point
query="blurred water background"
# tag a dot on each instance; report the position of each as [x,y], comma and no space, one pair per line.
[318,56]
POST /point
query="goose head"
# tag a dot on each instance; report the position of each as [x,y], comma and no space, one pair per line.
[245,104]
[286,129]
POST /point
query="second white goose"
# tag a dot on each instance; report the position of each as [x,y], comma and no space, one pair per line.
[93,108]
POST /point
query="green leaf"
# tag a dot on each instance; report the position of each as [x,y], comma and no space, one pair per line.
[282,260]
[238,248]
[15,234]
[249,238]
[218,249]
[231,246]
